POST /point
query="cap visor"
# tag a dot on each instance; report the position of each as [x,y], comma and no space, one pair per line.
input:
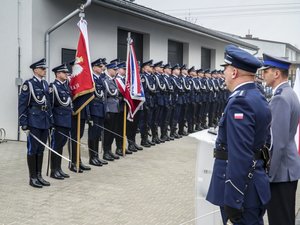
[264,67]
[224,64]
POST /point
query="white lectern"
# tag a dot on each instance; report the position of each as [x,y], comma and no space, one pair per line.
[206,213]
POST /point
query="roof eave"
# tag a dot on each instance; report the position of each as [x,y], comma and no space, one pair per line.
[144,12]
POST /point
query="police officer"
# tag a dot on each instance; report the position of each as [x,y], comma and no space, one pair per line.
[239,183]
[61,105]
[120,79]
[148,107]
[285,162]
[112,109]
[35,118]
[160,100]
[97,113]
[199,99]
[186,100]
[178,100]
[192,105]
[167,95]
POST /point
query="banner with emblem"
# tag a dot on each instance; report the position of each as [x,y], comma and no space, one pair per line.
[81,81]
[297,90]
[134,94]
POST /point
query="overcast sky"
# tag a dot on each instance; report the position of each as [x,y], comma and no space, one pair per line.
[277,20]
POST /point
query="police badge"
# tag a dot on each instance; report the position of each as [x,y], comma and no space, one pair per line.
[24,87]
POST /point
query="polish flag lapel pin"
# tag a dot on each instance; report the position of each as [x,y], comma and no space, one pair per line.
[239,116]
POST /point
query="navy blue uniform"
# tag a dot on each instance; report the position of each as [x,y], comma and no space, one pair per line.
[96,110]
[35,112]
[243,130]
[150,88]
[36,116]
[177,102]
[60,97]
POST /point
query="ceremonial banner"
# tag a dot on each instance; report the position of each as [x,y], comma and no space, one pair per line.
[81,80]
[134,94]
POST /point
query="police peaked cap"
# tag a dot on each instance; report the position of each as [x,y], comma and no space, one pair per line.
[200,71]
[241,59]
[183,67]
[39,64]
[192,69]
[167,66]
[206,71]
[61,68]
[158,64]
[273,61]
[176,66]
[147,63]
[122,65]
[98,62]
[112,66]
[116,61]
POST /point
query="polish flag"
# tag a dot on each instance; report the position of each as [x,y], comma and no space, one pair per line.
[239,116]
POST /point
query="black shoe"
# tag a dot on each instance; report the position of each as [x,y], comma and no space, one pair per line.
[151,142]
[137,147]
[108,157]
[73,168]
[84,167]
[132,148]
[34,182]
[114,155]
[42,181]
[56,175]
[103,162]
[172,137]
[119,152]
[128,152]
[145,144]
[65,175]
[93,161]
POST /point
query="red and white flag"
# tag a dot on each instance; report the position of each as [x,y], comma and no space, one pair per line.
[297,90]
[239,116]
[134,94]
[81,80]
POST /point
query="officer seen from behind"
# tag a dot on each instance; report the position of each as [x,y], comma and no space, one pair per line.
[239,183]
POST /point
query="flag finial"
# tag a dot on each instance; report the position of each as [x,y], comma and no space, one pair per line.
[81,14]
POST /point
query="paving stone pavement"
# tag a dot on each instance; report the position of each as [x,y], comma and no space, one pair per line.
[152,187]
[155,186]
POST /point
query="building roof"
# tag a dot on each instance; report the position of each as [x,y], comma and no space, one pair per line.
[288,45]
[156,16]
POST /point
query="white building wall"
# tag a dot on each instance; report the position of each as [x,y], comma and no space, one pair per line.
[272,48]
[16,32]
[291,54]
[37,16]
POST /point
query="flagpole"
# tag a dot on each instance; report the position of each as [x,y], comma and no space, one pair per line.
[78,141]
[124,131]
[124,118]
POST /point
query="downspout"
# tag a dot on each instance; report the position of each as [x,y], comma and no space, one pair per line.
[57,25]
[18,79]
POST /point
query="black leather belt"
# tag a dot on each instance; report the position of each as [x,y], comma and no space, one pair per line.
[41,107]
[224,155]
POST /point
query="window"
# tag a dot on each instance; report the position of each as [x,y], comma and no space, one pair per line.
[67,55]
[206,58]
[122,44]
[175,52]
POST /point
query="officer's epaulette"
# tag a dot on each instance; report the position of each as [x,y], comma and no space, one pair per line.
[278,91]
[241,94]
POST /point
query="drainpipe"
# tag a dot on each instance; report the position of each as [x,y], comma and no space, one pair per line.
[57,25]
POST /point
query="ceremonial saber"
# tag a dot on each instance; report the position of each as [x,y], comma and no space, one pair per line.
[46,146]
[71,139]
[49,154]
